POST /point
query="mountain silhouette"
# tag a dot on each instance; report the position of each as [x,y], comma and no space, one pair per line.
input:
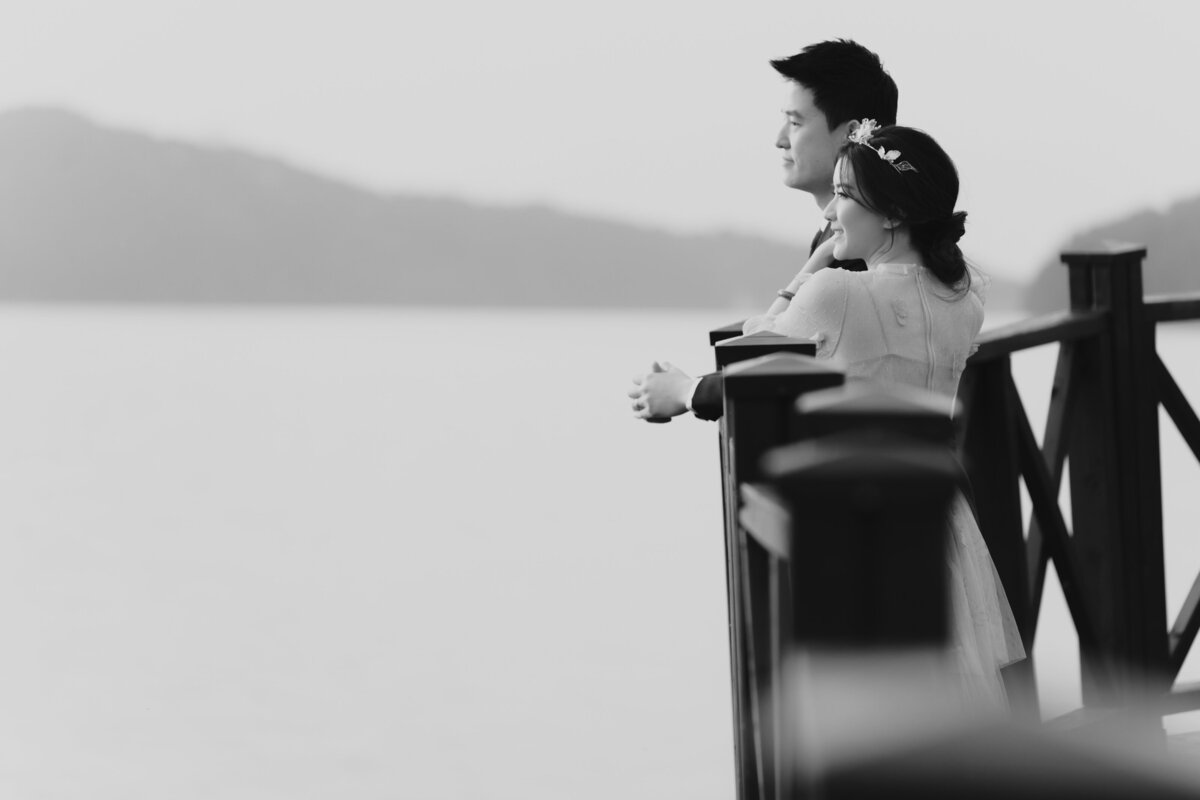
[1171,238]
[90,213]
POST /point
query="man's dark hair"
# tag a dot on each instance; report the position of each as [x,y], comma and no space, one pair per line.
[847,81]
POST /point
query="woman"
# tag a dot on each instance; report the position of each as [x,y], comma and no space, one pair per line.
[911,318]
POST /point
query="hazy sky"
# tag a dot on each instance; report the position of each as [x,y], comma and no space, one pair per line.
[1059,114]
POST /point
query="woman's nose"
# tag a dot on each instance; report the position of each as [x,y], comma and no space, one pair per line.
[830,212]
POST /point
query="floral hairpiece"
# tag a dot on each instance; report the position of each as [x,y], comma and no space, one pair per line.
[862,135]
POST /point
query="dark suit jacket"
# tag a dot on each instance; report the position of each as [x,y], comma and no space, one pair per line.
[708,402]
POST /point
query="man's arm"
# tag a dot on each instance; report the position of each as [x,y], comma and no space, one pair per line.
[667,391]
[708,401]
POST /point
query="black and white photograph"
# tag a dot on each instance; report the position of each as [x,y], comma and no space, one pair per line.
[578,401]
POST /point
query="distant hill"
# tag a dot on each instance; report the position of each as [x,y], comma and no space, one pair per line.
[94,214]
[1172,240]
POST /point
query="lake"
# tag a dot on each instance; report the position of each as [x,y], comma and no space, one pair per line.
[312,553]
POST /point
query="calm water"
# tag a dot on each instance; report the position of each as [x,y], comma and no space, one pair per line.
[379,554]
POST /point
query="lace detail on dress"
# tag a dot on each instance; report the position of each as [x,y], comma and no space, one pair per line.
[930,350]
[982,623]
[817,312]
[767,322]
[980,283]
[822,340]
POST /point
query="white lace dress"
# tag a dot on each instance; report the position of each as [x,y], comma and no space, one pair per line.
[898,322]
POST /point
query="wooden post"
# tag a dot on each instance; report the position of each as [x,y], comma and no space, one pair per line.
[1116,492]
[867,514]
[868,527]
[729,347]
[872,406]
[893,428]
[725,332]
[733,349]
[758,400]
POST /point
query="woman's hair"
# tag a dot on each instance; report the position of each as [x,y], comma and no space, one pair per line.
[917,188]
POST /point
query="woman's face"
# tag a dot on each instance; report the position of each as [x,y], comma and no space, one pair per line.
[858,232]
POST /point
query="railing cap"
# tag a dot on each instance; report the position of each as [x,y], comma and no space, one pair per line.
[778,373]
[779,364]
[725,332]
[1105,250]
[872,398]
[863,457]
[742,348]
[754,339]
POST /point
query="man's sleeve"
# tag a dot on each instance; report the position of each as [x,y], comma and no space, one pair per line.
[708,401]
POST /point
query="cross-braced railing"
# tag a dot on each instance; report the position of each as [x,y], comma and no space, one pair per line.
[1101,428]
[1103,422]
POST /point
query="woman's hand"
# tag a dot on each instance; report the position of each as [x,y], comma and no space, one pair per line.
[821,258]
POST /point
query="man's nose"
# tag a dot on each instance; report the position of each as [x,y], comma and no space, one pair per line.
[781,141]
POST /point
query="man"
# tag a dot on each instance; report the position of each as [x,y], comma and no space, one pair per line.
[830,87]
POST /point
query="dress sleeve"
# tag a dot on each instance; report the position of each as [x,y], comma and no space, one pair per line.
[818,312]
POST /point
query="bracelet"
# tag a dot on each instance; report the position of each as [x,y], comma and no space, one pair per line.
[785,294]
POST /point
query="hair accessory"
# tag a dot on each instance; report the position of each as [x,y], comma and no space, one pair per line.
[862,135]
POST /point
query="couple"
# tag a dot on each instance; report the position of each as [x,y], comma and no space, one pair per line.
[885,293]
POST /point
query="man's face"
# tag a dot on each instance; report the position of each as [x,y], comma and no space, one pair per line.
[809,146]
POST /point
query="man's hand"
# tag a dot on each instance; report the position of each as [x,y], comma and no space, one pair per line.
[661,393]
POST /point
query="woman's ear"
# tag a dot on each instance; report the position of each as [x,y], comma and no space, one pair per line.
[890,224]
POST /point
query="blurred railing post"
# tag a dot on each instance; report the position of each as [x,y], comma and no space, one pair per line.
[759,396]
[730,346]
[1116,493]
[865,506]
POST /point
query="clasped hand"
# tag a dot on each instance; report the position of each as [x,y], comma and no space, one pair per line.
[660,393]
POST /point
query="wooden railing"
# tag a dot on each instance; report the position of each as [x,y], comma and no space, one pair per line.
[764,427]
[1102,421]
